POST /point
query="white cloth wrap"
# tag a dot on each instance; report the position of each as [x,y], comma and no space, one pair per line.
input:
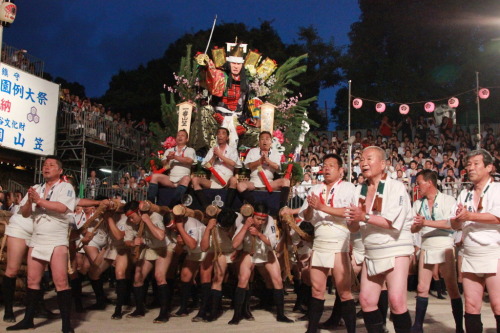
[358,250]
[380,259]
[100,239]
[327,242]
[435,248]
[481,259]
[19,227]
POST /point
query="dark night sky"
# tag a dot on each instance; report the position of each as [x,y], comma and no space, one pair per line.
[89,41]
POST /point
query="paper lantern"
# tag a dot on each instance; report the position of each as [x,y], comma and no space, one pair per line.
[267,117]
[429,107]
[453,102]
[404,109]
[380,107]
[357,103]
[484,93]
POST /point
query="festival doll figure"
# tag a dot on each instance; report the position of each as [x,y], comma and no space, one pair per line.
[228,85]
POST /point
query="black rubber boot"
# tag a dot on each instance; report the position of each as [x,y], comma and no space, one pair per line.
[245,312]
[205,295]
[316,307]
[457,309]
[329,285]
[348,312]
[164,297]
[439,289]
[139,303]
[76,293]
[152,192]
[334,321]
[373,321]
[185,290]
[383,306]
[121,294]
[266,299]
[239,299]
[247,196]
[8,289]
[443,286]
[279,301]
[231,194]
[41,309]
[64,302]
[473,323]
[178,195]
[215,304]
[155,303]
[33,297]
[285,191]
[202,198]
[300,300]
[402,322]
[100,298]
[420,310]
[307,300]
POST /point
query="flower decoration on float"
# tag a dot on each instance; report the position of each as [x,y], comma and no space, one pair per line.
[279,135]
[169,142]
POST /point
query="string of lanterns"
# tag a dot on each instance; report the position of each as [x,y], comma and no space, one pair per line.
[404,108]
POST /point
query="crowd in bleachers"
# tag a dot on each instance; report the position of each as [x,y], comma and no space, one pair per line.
[410,145]
[103,125]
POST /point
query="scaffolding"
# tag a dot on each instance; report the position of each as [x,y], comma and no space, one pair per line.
[90,141]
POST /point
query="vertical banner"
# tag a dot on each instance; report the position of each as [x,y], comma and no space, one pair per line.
[185,112]
[28,111]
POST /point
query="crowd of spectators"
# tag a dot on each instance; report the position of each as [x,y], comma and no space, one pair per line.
[104,125]
[411,146]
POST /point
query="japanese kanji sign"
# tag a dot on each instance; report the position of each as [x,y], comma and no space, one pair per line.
[28,111]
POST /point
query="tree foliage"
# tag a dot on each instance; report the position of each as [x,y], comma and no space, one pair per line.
[408,51]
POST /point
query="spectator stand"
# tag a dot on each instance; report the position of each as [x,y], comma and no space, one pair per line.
[21,59]
[88,140]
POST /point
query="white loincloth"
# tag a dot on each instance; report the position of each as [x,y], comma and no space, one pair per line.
[19,227]
[327,242]
[435,248]
[382,258]
[358,251]
[481,259]
[153,254]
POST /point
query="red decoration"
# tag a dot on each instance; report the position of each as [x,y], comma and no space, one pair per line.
[263,177]
[288,173]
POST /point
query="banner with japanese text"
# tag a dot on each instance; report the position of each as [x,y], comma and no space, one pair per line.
[28,111]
